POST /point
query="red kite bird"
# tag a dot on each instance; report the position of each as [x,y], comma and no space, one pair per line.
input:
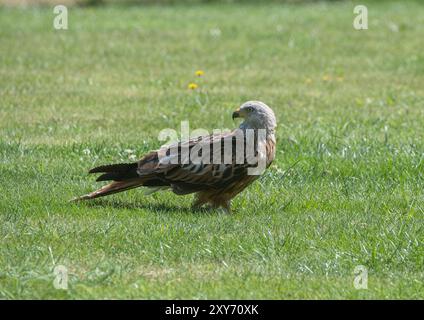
[214,180]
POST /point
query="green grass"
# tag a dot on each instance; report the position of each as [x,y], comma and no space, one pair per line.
[346,188]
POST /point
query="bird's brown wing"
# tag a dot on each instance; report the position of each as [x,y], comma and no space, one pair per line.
[196,176]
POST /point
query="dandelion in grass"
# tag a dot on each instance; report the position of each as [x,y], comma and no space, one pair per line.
[200,73]
[326,78]
[192,86]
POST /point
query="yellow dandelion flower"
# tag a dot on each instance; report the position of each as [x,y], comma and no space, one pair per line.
[192,86]
[200,73]
[326,78]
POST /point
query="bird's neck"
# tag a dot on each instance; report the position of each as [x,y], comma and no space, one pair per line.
[270,132]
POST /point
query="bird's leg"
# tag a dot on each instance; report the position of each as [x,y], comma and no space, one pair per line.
[226,205]
[198,203]
[221,204]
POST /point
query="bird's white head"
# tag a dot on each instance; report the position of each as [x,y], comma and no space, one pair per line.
[257,115]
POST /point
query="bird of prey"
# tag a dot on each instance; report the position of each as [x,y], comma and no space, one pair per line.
[215,177]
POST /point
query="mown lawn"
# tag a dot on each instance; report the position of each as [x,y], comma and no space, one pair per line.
[346,188]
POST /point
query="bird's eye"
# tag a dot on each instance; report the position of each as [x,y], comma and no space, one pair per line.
[249,109]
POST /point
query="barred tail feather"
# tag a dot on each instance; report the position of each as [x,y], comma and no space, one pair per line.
[114,187]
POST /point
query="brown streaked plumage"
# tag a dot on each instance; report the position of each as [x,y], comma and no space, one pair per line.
[213,184]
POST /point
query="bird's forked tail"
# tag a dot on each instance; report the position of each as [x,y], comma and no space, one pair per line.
[124,175]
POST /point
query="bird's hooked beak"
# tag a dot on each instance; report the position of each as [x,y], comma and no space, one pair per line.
[236,114]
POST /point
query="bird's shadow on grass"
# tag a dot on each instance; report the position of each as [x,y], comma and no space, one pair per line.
[154,207]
